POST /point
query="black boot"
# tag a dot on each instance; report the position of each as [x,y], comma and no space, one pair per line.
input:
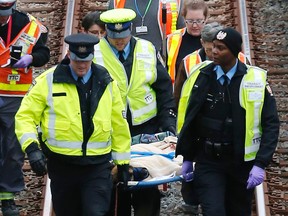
[9,208]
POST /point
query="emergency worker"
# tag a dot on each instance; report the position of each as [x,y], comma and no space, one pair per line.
[207,34]
[230,130]
[186,40]
[92,24]
[79,109]
[148,22]
[22,45]
[146,91]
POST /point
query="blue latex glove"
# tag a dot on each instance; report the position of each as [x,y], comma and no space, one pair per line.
[24,61]
[187,171]
[256,177]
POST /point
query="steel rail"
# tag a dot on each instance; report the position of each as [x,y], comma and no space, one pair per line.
[259,191]
[68,23]
[48,208]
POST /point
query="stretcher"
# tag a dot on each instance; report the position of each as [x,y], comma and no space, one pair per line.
[156,153]
[153,182]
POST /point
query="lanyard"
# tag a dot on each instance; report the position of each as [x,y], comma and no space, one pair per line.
[146,10]
[9,31]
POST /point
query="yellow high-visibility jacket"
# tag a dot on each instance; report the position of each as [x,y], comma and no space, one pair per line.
[53,104]
[138,94]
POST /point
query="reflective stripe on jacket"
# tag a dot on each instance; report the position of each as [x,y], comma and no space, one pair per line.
[57,107]
[138,94]
[173,9]
[173,44]
[16,81]
[191,60]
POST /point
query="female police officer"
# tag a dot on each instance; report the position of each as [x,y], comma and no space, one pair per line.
[231,129]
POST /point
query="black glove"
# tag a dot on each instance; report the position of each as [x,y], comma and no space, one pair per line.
[37,159]
[123,175]
[171,129]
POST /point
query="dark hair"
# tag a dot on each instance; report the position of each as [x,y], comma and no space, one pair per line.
[194,5]
[91,19]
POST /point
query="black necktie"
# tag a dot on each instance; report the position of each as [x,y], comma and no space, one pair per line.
[226,89]
[121,56]
[80,81]
[225,83]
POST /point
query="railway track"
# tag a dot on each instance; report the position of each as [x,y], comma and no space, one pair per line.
[265,44]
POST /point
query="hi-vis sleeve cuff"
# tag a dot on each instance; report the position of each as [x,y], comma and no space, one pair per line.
[121,158]
[27,139]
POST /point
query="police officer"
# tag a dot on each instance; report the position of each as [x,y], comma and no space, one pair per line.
[78,107]
[230,130]
[145,87]
[22,45]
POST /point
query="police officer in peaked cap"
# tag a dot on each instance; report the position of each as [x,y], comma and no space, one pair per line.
[146,90]
[81,46]
[80,111]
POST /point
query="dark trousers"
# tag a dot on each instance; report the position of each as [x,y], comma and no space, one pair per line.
[80,190]
[11,155]
[221,188]
[145,202]
[188,193]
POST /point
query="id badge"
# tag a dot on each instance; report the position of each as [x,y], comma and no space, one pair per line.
[141,30]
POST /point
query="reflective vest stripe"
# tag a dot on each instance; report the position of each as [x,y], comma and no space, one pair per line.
[77,145]
[52,117]
[28,136]
[121,156]
[173,8]
[150,107]
[251,96]
[242,57]
[173,45]
[6,195]
[191,60]
[11,87]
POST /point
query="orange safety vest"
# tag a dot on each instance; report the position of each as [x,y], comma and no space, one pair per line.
[242,57]
[173,44]
[173,7]
[191,60]
[16,81]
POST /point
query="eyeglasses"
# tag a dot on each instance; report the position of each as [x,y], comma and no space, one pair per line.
[197,21]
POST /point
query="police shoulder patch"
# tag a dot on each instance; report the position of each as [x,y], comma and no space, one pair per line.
[269,89]
[159,57]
